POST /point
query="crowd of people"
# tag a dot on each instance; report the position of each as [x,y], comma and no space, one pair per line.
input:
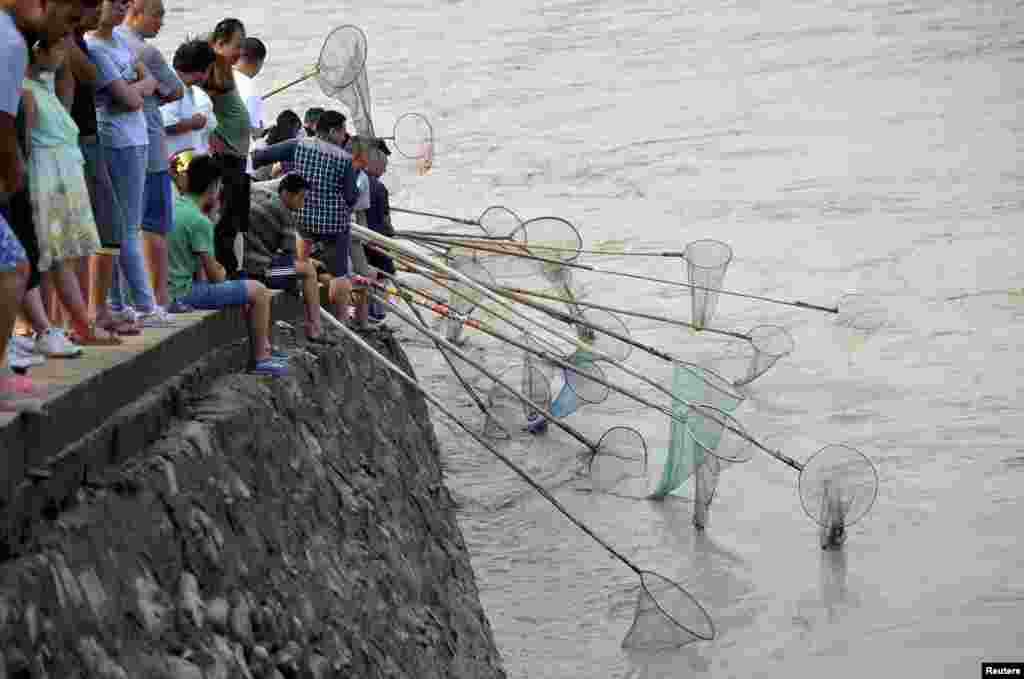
[132,190]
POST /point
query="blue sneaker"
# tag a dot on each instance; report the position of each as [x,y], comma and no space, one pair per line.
[269,366]
[278,355]
[536,424]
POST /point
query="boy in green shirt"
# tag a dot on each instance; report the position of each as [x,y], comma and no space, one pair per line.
[191,250]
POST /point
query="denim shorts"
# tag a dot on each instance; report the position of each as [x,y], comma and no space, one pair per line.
[209,296]
[11,252]
[128,178]
[105,207]
[158,204]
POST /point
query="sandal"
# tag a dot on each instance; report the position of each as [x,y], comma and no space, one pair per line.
[91,339]
[119,327]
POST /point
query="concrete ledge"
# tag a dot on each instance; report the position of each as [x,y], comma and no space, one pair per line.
[100,407]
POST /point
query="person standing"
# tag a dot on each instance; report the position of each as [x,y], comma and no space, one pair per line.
[105,208]
[326,216]
[17,393]
[120,93]
[182,120]
[144,21]
[61,211]
[230,141]
[254,54]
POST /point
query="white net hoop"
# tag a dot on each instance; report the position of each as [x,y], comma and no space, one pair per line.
[342,60]
[770,343]
[707,261]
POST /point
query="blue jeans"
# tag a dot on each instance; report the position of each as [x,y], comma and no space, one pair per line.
[129,180]
[211,296]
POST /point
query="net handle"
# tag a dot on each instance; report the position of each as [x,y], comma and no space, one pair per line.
[401,374]
[404,254]
[442,342]
[662,281]
[301,79]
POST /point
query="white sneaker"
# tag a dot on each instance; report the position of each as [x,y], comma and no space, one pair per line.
[157,318]
[55,344]
[22,360]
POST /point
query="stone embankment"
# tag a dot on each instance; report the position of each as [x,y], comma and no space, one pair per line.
[276,529]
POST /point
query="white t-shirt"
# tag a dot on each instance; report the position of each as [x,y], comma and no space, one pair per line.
[253,99]
[175,112]
[205,106]
[253,103]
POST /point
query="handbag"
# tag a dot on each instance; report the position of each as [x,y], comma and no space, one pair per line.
[281,274]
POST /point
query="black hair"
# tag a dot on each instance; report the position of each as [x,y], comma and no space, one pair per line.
[361,145]
[194,56]
[286,127]
[329,121]
[382,147]
[313,114]
[253,50]
[226,29]
[203,171]
[293,182]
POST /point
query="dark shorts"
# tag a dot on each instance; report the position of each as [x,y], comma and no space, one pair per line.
[18,213]
[105,208]
[210,296]
[158,204]
[333,251]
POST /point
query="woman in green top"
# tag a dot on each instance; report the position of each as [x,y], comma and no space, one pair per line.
[229,142]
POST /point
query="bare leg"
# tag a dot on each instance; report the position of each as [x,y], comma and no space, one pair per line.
[341,293]
[104,279]
[360,299]
[65,277]
[156,261]
[84,274]
[12,288]
[32,306]
[311,298]
[259,305]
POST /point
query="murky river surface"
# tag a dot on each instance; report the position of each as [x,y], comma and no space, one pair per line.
[871,146]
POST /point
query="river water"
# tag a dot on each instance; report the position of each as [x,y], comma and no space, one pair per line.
[836,146]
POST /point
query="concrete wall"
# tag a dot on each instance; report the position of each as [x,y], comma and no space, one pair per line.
[277,528]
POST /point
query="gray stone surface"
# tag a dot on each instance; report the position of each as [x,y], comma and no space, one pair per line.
[294,527]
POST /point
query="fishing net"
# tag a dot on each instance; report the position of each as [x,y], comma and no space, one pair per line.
[770,343]
[552,238]
[667,616]
[498,220]
[507,412]
[619,461]
[464,298]
[341,74]
[580,388]
[414,138]
[838,485]
[697,385]
[663,605]
[859,318]
[548,368]
[601,341]
[706,263]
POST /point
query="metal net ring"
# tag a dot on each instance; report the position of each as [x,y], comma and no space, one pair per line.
[342,59]
[843,475]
